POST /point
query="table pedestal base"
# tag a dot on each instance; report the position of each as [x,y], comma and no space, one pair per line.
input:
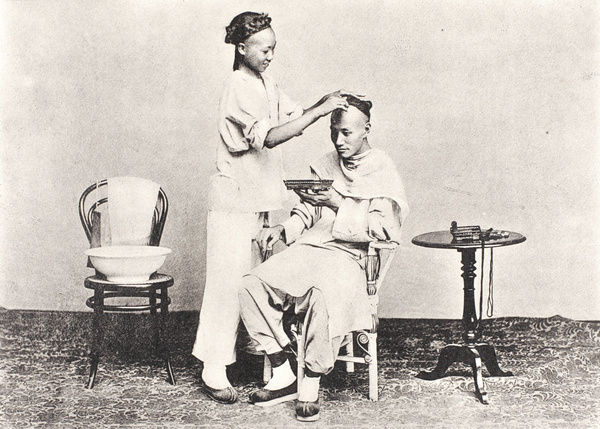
[471,354]
[472,351]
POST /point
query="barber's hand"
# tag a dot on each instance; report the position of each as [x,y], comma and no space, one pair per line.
[329,198]
[335,100]
[266,237]
[331,102]
[345,93]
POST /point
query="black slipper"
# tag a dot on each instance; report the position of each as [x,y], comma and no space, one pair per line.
[267,398]
[307,411]
[223,396]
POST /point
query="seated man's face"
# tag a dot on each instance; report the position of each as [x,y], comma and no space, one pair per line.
[349,130]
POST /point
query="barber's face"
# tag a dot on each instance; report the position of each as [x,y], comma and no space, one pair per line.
[258,50]
[349,131]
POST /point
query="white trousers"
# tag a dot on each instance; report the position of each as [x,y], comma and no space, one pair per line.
[230,253]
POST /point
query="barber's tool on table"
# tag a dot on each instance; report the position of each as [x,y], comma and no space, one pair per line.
[474,234]
[312,185]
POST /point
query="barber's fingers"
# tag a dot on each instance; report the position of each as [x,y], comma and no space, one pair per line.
[344,93]
[335,101]
[341,103]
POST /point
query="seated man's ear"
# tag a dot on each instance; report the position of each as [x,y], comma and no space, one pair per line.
[241,48]
[367,127]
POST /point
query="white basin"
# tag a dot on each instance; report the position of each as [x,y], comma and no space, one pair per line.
[128,264]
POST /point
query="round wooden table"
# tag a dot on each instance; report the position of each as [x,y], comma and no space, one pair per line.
[473,351]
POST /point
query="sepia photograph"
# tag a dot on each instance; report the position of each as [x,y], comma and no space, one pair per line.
[273,214]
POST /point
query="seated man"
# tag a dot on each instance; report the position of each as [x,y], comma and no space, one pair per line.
[321,275]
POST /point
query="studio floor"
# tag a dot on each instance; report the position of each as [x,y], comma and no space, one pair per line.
[44,366]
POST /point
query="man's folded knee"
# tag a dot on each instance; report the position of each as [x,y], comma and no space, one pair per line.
[313,299]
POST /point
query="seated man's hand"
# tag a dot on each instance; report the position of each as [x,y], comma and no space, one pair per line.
[266,237]
[329,198]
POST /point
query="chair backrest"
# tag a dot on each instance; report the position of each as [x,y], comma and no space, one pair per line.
[95,198]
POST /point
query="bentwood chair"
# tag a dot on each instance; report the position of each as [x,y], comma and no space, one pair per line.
[111,297]
[379,258]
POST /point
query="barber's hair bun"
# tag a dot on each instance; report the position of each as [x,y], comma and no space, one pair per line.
[245,25]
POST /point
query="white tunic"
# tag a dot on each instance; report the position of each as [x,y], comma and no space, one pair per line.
[250,176]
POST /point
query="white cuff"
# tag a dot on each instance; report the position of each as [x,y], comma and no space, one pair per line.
[294,227]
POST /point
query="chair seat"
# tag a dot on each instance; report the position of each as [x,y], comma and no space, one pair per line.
[105,289]
[156,281]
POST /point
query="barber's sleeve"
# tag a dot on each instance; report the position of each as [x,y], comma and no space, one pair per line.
[288,110]
[238,127]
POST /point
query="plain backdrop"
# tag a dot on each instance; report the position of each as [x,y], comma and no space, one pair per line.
[490,110]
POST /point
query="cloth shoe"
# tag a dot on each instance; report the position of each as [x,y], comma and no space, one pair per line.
[267,398]
[223,396]
[307,411]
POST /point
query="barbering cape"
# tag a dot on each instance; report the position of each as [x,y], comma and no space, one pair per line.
[372,174]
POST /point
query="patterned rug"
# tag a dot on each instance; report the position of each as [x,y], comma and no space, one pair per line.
[44,367]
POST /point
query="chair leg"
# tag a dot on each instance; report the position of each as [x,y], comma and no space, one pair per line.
[350,352]
[98,335]
[164,320]
[267,370]
[154,317]
[372,348]
[93,371]
[301,354]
